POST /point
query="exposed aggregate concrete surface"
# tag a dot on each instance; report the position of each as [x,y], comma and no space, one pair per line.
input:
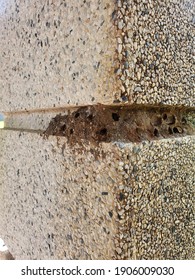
[129,198]
[56,203]
[156,51]
[56,53]
[156,200]
[115,201]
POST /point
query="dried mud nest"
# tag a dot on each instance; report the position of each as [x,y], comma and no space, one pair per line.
[100,123]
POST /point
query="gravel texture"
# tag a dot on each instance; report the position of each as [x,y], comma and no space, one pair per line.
[156,200]
[115,201]
[156,51]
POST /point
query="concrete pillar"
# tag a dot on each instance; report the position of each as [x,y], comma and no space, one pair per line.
[97,153]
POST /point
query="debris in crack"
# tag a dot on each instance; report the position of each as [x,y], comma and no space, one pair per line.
[102,123]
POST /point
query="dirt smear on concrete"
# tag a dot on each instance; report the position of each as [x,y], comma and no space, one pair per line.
[102,123]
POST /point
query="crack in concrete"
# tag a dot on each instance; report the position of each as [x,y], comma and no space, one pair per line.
[24,130]
[73,107]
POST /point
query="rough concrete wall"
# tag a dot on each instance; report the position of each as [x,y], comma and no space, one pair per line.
[122,201]
[156,48]
[157,210]
[97,200]
[62,202]
[56,52]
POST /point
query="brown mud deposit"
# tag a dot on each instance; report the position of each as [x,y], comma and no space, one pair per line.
[102,123]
